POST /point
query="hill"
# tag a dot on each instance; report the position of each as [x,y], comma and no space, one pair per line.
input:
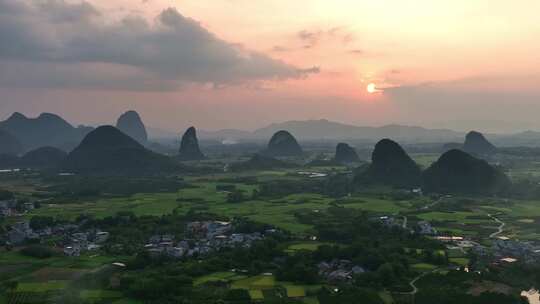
[131,124]
[9,144]
[345,154]
[107,149]
[189,146]
[44,157]
[45,130]
[8,161]
[329,130]
[459,172]
[390,166]
[283,143]
[477,144]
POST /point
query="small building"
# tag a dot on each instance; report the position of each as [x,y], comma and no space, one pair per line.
[101,237]
[425,228]
[72,250]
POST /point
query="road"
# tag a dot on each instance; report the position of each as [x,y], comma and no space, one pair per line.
[440,199]
[500,229]
[413,282]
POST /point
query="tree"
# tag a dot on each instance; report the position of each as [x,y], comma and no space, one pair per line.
[386,273]
[6,195]
[236,196]
[40,222]
[37,251]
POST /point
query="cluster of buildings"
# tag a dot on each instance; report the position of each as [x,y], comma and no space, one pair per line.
[506,250]
[502,250]
[425,228]
[12,207]
[339,271]
[201,238]
[422,227]
[72,240]
[77,242]
[21,232]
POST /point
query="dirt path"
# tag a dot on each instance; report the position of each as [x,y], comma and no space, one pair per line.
[440,199]
[413,282]
[500,229]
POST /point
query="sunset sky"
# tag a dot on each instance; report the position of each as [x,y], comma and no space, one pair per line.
[247,63]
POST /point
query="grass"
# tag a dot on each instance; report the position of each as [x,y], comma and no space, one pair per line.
[386,297]
[458,216]
[214,277]
[127,301]
[256,294]
[309,246]
[294,291]
[277,212]
[42,287]
[264,282]
[459,261]
[100,294]
[525,209]
[455,253]
[257,285]
[255,282]
[423,267]
[310,300]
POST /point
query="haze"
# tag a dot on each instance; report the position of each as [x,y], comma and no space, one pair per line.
[244,64]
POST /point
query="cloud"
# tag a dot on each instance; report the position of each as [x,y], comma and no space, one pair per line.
[280,49]
[312,38]
[45,43]
[357,52]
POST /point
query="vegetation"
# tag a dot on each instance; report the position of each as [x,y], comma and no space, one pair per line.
[459,172]
[315,229]
[391,166]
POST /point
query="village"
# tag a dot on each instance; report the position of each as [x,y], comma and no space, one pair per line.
[202,238]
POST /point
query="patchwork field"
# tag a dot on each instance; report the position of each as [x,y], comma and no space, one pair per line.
[260,286]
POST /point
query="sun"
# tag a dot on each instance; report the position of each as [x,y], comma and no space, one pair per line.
[371,88]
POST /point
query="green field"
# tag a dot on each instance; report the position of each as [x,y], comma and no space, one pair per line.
[42,286]
[459,261]
[257,285]
[423,267]
[278,212]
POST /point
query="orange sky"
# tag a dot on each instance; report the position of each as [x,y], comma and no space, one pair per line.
[418,49]
[430,40]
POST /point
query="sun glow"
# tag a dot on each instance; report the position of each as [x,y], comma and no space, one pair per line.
[371,88]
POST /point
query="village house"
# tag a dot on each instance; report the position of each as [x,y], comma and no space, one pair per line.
[20,232]
[339,271]
[425,228]
[205,237]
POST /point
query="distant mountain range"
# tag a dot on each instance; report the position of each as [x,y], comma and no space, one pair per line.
[52,130]
[312,130]
[45,130]
[334,131]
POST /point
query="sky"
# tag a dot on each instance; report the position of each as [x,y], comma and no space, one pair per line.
[244,64]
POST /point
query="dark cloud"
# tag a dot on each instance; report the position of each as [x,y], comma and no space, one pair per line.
[74,44]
